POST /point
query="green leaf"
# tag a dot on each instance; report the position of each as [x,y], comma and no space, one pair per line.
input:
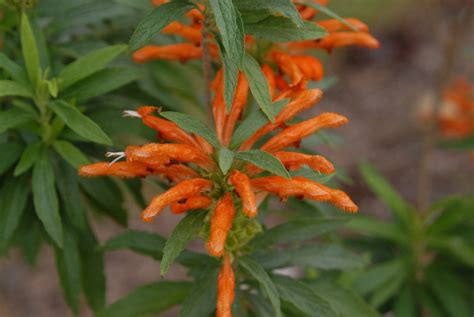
[283,7]
[88,65]
[13,88]
[192,125]
[13,197]
[231,76]
[281,29]
[382,188]
[150,299]
[302,297]
[297,230]
[79,123]
[230,26]
[12,118]
[10,153]
[137,241]
[327,257]
[186,230]
[448,290]
[263,160]
[269,289]
[231,44]
[377,229]
[388,290]
[70,153]
[405,305]
[68,186]
[258,85]
[45,198]
[377,275]
[344,301]
[429,304]
[327,11]
[106,195]
[456,246]
[156,20]
[14,70]
[30,50]
[254,121]
[100,83]
[226,158]
[68,266]
[201,300]
[93,275]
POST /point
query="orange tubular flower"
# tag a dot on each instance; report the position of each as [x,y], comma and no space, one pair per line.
[165,154]
[271,79]
[340,39]
[169,131]
[288,67]
[304,188]
[183,190]
[225,289]
[242,185]
[119,169]
[175,173]
[293,135]
[301,102]
[191,203]
[310,67]
[294,161]
[192,34]
[181,52]
[221,223]
[334,25]
[238,104]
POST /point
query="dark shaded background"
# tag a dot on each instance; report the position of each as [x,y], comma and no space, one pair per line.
[378,90]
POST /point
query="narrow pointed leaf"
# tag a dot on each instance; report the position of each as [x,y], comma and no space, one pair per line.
[45,198]
[30,50]
[14,89]
[88,65]
[13,198]
[184,232]
[192,125]
[264,160]
[151,299]
[269,289]
[156,20]
[258,85]
[70,153]
[226,158]
[79,123]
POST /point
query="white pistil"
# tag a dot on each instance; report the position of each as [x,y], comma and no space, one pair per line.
[118,156]
[131,113]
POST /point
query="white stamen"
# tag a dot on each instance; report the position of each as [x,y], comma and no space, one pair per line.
[131,113]
[118,156]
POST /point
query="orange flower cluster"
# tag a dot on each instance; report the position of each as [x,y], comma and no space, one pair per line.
[456,116]
[189,162]
[285,56]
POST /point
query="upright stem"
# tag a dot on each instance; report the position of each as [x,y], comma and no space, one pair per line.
[451,45]
[206,63]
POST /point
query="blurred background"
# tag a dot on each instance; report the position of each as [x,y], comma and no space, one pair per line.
[382,92]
